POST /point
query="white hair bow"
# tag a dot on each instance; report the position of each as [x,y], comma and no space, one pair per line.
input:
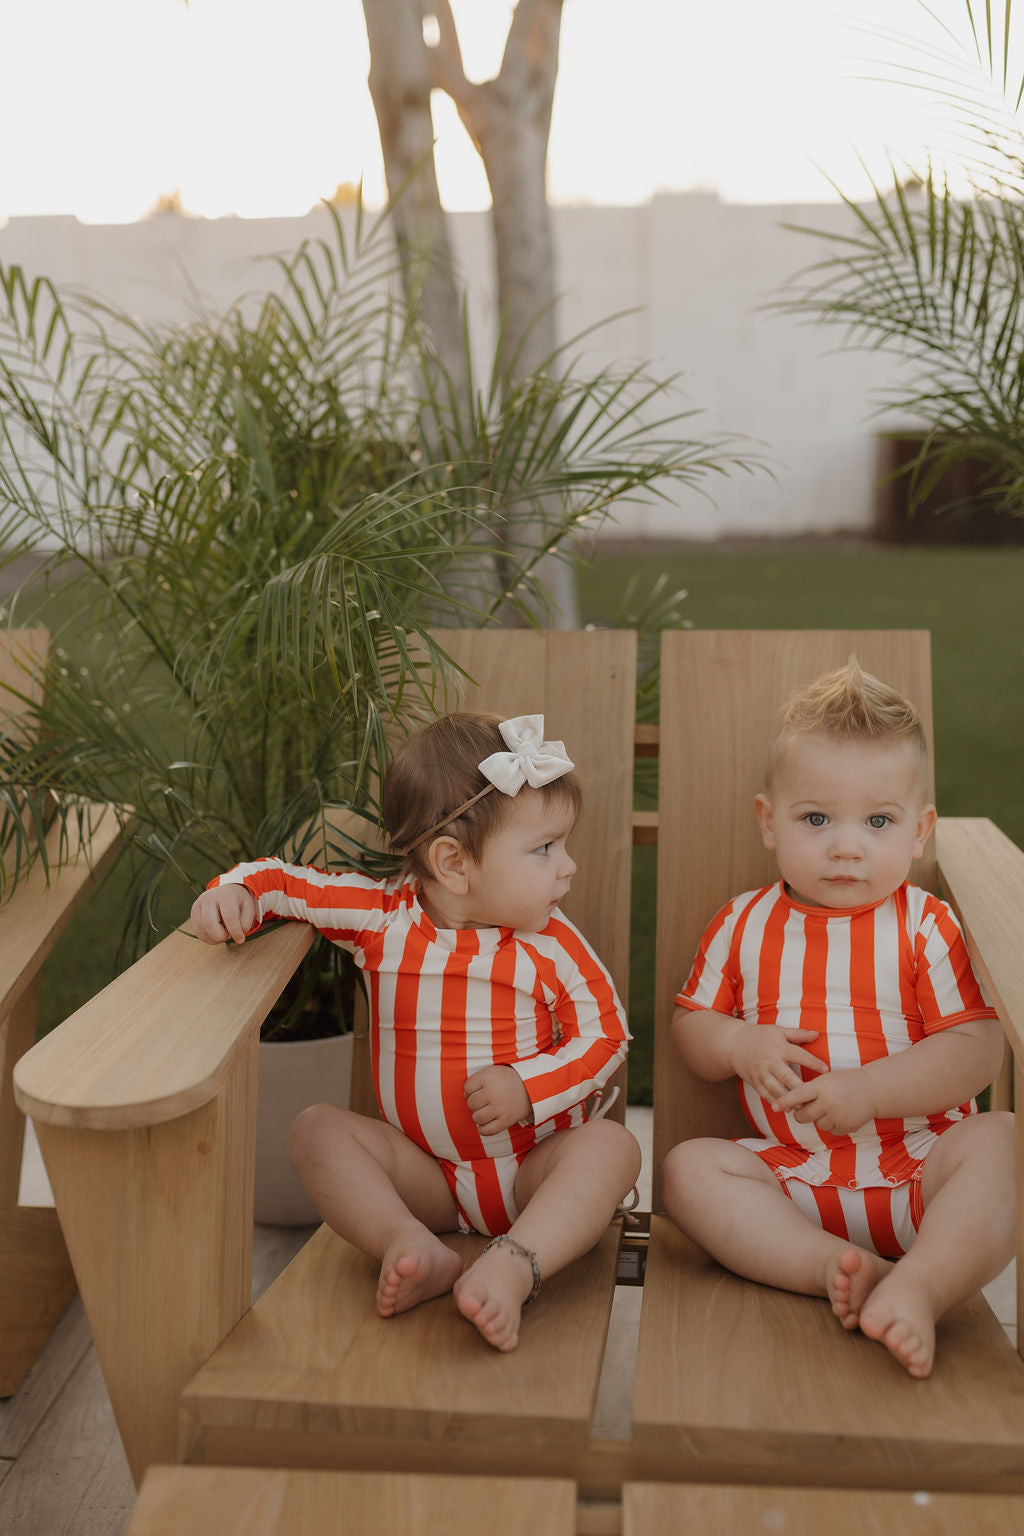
[529,760]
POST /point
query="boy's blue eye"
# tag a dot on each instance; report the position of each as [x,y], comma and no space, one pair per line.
[878,822]
[544,848]
[816,818]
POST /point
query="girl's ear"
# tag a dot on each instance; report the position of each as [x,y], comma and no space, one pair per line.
[763,808]
[448,862]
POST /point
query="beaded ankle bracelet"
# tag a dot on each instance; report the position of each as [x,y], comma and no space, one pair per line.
[504,1241]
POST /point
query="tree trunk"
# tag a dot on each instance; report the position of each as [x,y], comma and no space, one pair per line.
[509,120]
[400,85]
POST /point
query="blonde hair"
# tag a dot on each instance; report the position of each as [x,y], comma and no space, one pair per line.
[435,773]
[849,705]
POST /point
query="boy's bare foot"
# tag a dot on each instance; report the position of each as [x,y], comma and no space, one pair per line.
[851,1280]
[413,1270]
[491,1295]
[901,1315]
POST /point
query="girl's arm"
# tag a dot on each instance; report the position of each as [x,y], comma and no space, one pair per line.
[226,912]
[591,1026]
[929,1077]
[340,904]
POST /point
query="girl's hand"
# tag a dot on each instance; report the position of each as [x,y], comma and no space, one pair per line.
[768,1058]
[497,1098]
[839,1102]
[226,912]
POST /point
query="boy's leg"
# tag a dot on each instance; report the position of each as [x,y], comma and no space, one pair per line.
[730,1202]
[966,1238]
[567,1190]
[383,1193]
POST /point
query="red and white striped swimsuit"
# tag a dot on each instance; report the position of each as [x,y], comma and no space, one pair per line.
[445,1003]
[873,981]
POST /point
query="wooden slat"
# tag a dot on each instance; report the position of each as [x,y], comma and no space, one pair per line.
[161,1039]
[23,653]
[720,694]
[774,1389]
[645,829]
[650,1509]
[982,875]
[313,1367]
[219,1501]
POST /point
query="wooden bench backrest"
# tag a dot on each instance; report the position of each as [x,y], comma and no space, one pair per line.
[23,656]
[584,684]
[23,653]
[720,694]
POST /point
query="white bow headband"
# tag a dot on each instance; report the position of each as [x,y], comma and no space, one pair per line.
[529,760]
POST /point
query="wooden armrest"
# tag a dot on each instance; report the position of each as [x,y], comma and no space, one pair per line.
[161,1039]
[40,909]
[982,875]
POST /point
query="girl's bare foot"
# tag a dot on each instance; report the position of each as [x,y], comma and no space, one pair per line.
[901,1315]
[491,1295]
[850,1281]
[415,1268]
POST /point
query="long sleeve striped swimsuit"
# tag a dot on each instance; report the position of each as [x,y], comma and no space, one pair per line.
[873,981]
[445,1003]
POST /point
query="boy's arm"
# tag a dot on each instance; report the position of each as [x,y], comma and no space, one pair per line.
[718,1045]
[931,1076]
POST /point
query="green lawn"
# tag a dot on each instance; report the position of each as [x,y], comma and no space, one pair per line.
[970,599]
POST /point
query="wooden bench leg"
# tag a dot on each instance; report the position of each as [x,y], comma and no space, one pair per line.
[36,1279]
[159,1226]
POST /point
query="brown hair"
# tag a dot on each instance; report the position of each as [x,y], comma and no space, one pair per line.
[432,776]
[848,704]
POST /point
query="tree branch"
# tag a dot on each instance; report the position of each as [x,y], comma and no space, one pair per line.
[447,70]
[531,48]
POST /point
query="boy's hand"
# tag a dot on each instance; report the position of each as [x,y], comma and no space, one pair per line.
[840,1102]
[497,1098]
[226,912]
[769,1057]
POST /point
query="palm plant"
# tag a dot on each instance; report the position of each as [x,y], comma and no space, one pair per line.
[256,519]
[932,270]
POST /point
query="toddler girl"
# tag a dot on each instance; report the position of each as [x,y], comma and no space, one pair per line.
[492,1023]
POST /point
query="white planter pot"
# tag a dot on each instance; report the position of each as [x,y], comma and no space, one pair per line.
[293,1074]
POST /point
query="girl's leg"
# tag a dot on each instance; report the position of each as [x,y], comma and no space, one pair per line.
[567,1190]
[729,1201]
[966,1238]
[384,1194]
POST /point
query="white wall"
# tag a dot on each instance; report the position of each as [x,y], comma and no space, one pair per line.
[695,272]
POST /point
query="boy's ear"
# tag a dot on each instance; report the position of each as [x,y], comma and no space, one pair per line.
[925,825]
[763,807]
[449,865]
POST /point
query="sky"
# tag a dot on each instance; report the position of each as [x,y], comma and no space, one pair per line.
[260,108]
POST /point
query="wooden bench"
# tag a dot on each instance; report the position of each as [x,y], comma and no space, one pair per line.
[737,1381]
[36,1279]
[144,1102]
